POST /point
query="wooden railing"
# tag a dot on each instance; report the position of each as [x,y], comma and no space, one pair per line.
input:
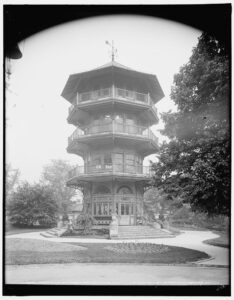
[113,197]
[113,127]
[110,169]
[112,92]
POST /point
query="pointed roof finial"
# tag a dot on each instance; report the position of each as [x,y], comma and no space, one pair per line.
[113,50]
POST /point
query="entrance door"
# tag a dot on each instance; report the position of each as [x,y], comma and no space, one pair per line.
[126,214]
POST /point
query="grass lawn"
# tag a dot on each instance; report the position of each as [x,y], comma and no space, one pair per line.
[221,241]
[25,251]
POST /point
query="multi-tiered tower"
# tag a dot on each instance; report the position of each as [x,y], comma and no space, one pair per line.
[112,108]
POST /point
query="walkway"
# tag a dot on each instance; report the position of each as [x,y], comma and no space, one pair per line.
[187,239]
[117,274]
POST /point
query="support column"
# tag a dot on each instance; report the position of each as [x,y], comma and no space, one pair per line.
[113,198]
[91,197]
[77,98]
[135,205]
[92,208]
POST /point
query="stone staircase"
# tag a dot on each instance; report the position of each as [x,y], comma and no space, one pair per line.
[54,232]
[142,232]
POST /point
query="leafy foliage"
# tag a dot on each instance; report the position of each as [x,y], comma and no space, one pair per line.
[154,201]
[12,179]
[32,205]
[86,222]
[185,217]
[55,175]
[195,164]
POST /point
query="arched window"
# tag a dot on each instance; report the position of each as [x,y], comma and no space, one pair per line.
[102,189]
[124,190]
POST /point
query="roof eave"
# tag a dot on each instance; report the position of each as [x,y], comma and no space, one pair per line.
[70,88]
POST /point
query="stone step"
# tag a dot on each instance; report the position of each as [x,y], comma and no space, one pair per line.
[148,234]
[145,234]
[44,234]
[141,237]
[52,233]
[139,231]
[142,232]
[54,229]
[133,237]
[145,230]
[137,228]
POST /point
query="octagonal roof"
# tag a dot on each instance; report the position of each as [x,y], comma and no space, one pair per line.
[112,73]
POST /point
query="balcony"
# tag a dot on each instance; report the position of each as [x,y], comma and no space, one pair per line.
[95,171]
[115,198]
[113,128]
[112,93]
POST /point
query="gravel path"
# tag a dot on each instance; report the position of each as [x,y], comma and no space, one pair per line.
[119,274]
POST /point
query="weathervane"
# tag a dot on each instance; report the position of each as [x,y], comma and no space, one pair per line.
[113,50]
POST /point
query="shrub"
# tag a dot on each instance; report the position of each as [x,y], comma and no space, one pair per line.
[32,205]
[183,213]
[215,222]
[85,222]
[185,216]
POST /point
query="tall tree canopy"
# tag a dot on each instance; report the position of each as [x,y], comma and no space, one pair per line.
[195,163]
[55,175]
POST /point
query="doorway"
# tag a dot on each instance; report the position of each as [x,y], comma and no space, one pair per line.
[126,214]
[126,206]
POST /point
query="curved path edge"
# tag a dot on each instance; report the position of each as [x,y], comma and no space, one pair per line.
[188,239]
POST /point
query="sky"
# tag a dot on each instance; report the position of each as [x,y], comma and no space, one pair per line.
[36,128]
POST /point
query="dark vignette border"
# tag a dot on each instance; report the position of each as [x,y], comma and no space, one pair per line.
[22,21]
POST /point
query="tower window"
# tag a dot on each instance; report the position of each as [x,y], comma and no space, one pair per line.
[108,160]
[97,163]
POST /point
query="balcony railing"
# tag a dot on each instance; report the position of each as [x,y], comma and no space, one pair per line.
[110,169]
[112,92]
[113,127]
[116,197]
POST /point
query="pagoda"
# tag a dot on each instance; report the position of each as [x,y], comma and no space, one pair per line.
[112,108]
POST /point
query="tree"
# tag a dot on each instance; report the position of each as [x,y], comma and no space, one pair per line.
[195,164]
[12,179]
[154,201]
[32,205]
[157,201]
[55,175]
